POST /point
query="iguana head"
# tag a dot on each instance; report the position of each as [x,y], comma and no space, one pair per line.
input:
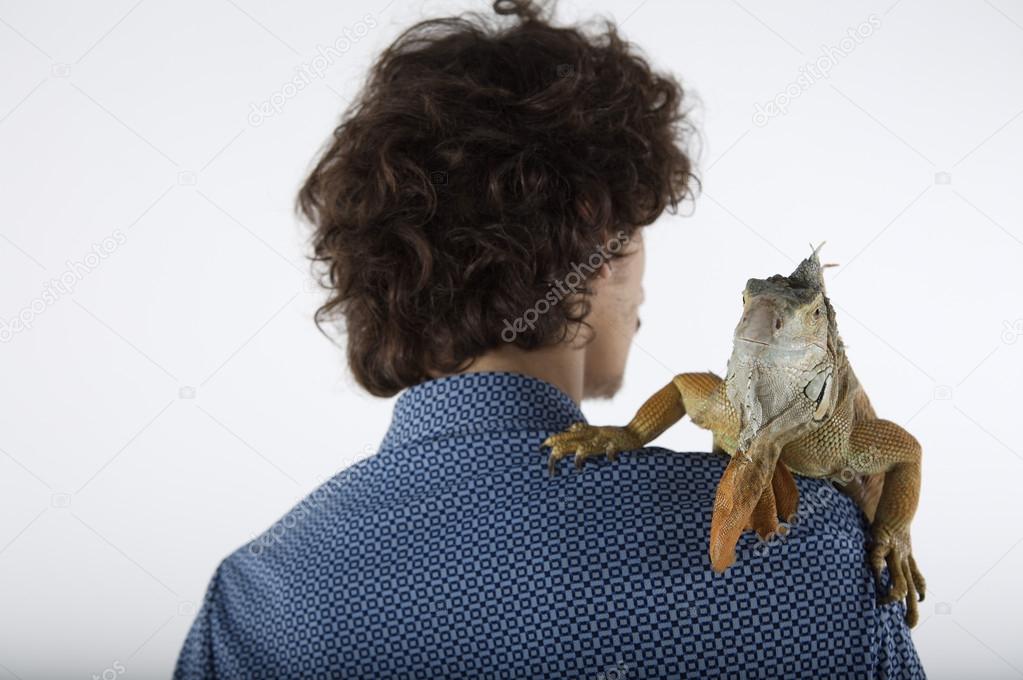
[784,349]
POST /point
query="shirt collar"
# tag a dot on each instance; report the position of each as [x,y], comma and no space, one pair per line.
[478,402]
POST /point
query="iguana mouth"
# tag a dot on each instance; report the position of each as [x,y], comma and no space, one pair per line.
[783,348]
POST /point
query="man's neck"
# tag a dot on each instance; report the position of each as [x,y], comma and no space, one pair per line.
[560,365]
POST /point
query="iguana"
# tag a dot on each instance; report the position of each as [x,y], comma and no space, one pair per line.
[788,396]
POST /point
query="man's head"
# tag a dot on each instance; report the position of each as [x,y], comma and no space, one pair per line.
[617,293]
[486,190]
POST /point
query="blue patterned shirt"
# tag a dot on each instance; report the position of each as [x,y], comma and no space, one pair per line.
[451,553]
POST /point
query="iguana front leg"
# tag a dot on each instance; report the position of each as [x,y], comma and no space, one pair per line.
[702,397]
[881,446]
[750,476]
[656,415]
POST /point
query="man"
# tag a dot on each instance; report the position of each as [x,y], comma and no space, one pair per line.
[479,215]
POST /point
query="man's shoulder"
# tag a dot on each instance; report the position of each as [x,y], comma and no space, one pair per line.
[505,549]
[693,477]
[361,508]
[315,519]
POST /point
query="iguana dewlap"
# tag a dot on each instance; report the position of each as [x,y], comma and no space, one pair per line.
[789,396]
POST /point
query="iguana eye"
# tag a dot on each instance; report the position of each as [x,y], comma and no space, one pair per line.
[817,312]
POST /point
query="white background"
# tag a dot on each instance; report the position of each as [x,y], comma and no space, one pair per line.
[119,494]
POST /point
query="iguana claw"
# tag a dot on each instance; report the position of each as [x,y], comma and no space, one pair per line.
[892,547]
[588,441]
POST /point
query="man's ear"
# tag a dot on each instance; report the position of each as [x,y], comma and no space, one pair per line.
[605,272]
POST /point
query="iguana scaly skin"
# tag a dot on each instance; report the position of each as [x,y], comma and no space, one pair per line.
[789,396]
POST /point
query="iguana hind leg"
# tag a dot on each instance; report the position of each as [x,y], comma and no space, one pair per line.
[881,446]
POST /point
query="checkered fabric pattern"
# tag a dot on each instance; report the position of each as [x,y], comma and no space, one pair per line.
[451,553]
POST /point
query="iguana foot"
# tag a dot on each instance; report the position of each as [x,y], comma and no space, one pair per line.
[777,498]
[767,533]
[892,547]
[764,519]
[588,441]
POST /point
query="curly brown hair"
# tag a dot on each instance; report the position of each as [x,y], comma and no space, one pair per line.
[479,162]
